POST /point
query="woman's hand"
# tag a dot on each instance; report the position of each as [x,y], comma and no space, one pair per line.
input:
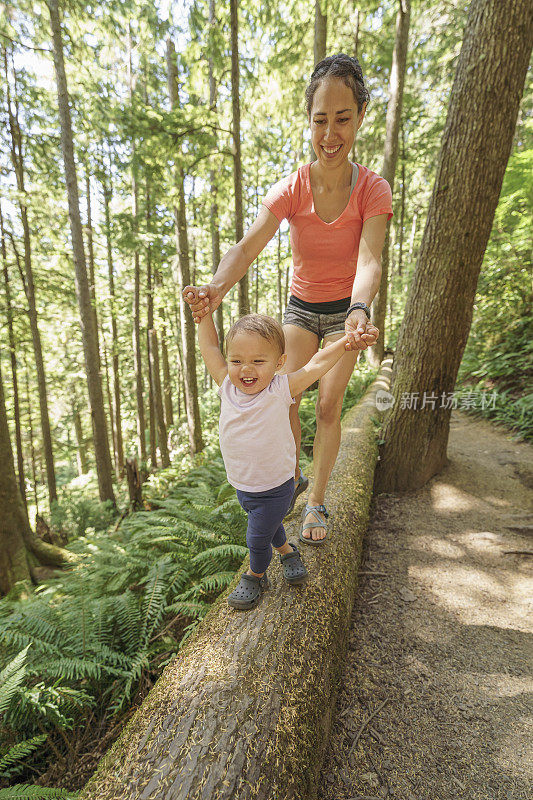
[202,299]
[361,333]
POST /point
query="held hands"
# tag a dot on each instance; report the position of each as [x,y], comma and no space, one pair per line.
[202,299]
[360,332]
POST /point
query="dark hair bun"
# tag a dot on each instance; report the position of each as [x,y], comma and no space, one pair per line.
[338,66]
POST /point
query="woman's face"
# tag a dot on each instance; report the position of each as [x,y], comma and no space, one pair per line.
[334,121]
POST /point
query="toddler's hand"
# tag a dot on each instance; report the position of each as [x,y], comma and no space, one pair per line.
[201,299]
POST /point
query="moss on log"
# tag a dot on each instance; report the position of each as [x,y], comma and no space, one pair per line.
[244,710]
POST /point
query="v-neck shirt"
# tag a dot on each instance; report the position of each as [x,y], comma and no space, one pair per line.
[325,254]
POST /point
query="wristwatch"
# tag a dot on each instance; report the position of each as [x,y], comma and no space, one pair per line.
[354,306]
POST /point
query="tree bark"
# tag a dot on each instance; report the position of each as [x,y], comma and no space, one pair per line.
[158,399]
[29,290]
[188,332]
[137,354]
[244,301]
[119,462]
[167,382]
[390,159]
[477,140]
[13,359]
[83,466]
[30,436]
[17,539]
[90,253]
[149,327]
[321,30]
[14,564]
[90,348]
[244,711]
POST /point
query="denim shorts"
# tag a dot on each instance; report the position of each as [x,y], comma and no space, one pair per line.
[319,324]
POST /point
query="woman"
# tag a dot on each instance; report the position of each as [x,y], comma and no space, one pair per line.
[338,213]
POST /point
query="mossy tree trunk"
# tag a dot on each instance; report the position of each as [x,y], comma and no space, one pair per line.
[244,710]
[477,140]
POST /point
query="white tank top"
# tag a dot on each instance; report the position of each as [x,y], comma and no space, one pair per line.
[256,439]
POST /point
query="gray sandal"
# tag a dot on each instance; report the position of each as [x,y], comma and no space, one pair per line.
[320,523]
[294,570]
[248,591]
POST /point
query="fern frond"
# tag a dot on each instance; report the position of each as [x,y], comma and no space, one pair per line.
[18,752]
[23,791]
[11,677]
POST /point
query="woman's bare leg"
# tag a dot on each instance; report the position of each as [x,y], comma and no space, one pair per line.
[328,430]
[301,345]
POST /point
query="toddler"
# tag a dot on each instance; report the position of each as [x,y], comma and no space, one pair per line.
[256,439]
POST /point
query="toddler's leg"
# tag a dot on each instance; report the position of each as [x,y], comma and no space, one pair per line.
[265,513]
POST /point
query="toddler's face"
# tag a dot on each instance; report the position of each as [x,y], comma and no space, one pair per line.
[252,362]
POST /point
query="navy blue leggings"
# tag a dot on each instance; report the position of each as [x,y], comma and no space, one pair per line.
[265,514]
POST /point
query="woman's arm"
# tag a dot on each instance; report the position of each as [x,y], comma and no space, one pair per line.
[233,265]
[360,331]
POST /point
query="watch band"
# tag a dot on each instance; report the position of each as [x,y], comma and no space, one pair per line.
[362,306]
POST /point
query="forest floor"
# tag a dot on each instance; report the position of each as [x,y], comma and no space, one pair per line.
[441,644]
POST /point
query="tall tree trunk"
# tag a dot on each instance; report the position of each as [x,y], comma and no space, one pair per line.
[394,113]
[119,462]
[357,27]
[137,355]
[188,333]
[402,209]
[244,302]
[30,434]
[83,466]
[90,253]
[476,143]
[90,348]
[167,382]
[14,564]
[321,30]
[158,399]
[214,220]
[29,288]
[17,539]
[13,358]
[109,398]
[149,327]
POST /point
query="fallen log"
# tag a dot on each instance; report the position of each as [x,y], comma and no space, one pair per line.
[244,711]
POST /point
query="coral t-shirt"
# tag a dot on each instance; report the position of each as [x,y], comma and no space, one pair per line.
[325,254]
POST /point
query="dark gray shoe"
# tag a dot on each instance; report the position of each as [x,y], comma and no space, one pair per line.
[248,591]
[294,569]
[299,486]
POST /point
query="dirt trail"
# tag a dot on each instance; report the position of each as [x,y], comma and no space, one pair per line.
[444,637]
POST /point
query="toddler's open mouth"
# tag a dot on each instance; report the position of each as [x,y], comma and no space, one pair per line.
[248,381]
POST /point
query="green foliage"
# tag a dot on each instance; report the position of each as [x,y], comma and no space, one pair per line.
[128,606]
[11,758]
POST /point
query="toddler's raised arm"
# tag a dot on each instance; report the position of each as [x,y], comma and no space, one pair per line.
[321,363]
[208,341]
